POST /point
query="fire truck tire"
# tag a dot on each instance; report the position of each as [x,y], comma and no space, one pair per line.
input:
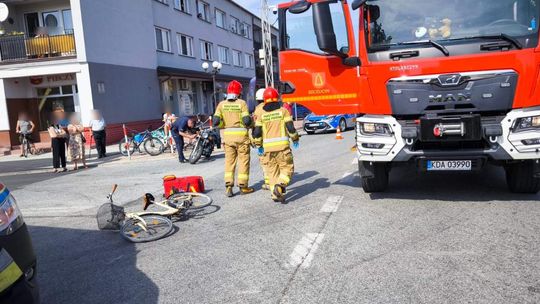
[521,177]
[378,181]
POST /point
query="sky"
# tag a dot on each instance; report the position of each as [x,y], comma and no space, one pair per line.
[255,5]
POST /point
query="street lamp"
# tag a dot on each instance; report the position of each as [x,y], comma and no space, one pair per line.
[216,67]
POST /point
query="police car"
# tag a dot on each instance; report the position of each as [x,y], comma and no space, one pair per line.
[17,258]
[323,123]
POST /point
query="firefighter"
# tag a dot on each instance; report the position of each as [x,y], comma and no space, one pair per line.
[259,97]
[233,116]
[273,131]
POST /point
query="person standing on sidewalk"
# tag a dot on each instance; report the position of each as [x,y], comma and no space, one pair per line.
[76,142]
[97,124]
[232,114]
[24,128]
[58,133]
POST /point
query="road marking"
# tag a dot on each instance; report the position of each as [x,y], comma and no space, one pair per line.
[303,253]
[332,204]
[347,174]
[354,161]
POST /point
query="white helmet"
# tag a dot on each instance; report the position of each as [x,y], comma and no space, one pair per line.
[259,96]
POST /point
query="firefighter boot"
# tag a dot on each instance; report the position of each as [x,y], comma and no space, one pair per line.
[265,186]
[278,195]
[246,190]
[229,191]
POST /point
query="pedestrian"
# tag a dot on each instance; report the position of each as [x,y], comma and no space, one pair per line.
[58,133]
[24,128]
[98,125]
[182,128]
[233,116]
[259,97]
[76,142]
[273,131]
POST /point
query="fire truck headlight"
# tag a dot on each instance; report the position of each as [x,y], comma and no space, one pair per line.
[368,128]
[527,124]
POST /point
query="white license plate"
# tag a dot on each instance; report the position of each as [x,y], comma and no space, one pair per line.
[312,124]
[449,165]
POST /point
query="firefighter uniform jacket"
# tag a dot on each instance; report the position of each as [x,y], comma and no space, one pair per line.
[277,127]
[232,116]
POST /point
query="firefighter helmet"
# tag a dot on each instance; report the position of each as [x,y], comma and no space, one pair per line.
[234,90]
[259,96]
[270,95]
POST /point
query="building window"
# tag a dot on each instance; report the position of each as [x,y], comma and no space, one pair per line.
[237,58]
[220,18]
[206,50]
[182,5]
[249,60]
[185,45]
[223,54]
[203,11]
[163,1]
[235,25]
[163,39]
[245,30]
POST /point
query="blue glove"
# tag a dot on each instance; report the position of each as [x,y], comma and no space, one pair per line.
[260,151]
[296,144]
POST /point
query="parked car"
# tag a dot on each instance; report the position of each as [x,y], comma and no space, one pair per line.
[17,258]
[324,123]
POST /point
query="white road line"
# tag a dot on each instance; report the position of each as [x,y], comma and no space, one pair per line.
[354,161]
[347,174]
[304,251]
[332,204]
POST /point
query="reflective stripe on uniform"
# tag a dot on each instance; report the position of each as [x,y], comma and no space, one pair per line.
[243,176]
[229,174]
[235,131]
[285,178]
[244,114]
[9,271]
[272,140]
[275,144]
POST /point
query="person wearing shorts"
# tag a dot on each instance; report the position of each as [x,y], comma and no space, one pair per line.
[25,127]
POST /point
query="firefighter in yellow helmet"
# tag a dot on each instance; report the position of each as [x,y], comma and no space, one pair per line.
[233,116]
[259,97]
[273,131]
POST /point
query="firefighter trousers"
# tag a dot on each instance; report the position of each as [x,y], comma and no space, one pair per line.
[237,153]
[279,167]
[266,178]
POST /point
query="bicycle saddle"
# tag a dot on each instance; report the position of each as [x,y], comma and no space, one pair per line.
[148,200]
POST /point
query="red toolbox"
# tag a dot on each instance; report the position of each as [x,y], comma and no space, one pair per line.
[173,184]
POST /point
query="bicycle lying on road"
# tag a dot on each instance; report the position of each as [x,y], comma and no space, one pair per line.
[146,226]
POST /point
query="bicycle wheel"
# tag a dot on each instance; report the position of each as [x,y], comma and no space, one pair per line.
[123,146]
[26,146]
[153,146]
[156,227]
[191,200]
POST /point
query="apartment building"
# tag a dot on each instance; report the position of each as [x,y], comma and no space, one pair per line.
[128,58]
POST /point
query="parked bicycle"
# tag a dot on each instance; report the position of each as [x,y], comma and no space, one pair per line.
[134,142]
[146,226]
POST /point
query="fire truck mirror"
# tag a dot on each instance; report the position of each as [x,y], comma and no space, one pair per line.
[300,7]
[324,29]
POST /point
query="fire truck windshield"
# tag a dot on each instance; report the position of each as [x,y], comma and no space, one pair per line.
[394,23]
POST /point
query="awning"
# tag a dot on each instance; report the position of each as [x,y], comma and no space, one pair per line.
[176,72]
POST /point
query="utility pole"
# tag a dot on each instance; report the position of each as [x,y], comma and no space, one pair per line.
[265,54]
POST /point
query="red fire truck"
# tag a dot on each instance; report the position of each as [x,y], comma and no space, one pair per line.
[445,85]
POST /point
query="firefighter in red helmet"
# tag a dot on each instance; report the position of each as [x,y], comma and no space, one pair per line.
[274,129]
[232,115]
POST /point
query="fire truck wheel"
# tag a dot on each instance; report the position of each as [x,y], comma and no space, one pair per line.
[521,178]
[378,181]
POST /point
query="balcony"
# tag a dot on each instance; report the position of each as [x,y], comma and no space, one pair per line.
[18,48]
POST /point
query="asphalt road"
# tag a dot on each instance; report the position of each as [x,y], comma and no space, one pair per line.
[430,239]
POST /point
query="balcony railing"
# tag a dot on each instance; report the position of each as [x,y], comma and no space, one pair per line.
[21,48]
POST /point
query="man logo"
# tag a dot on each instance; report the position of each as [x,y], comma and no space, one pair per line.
[449,80]
[319,80]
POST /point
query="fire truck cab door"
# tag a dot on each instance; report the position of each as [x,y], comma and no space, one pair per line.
[319,67]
